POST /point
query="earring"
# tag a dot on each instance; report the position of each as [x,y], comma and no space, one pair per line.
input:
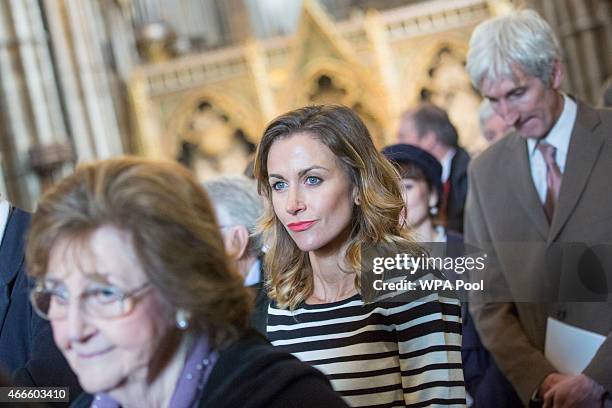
[182,319]
[433,211]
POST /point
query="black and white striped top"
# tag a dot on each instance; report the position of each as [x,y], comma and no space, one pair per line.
[379,354]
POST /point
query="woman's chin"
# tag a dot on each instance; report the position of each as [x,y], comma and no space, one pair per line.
[97,384]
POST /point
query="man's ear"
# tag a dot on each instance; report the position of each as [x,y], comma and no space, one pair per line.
[557,75]
[236,239]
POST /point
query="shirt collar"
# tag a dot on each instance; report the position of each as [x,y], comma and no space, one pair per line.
[253,277]
[446,163]
[560,134]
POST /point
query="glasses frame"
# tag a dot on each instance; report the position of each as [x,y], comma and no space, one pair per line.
[131,294]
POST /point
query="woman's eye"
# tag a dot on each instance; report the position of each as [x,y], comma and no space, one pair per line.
[59,297]
[104,295]
[279,185]
[313,180]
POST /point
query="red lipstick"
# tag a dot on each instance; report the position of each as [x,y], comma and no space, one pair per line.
[300,226]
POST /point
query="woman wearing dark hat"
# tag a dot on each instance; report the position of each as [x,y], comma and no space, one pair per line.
[421,186]
[422,189]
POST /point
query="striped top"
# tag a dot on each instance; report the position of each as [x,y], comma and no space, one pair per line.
[379,354]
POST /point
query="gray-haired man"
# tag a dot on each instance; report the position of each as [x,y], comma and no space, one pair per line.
[544,187]
[238,206]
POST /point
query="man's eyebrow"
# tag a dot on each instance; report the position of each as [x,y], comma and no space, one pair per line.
[515,90]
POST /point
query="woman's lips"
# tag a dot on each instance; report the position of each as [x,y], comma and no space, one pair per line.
[300,226]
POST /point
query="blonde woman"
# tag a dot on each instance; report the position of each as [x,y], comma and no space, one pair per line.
[332,194]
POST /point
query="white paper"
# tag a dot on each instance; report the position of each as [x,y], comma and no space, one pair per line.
[569,348]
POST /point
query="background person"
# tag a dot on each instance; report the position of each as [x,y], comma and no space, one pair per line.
[430,128]
[492,126]
[238,206]
[132,273]
[26,345]
[420,173]
[547,186]
[332,195]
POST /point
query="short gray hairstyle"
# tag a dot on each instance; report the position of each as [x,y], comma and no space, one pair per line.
[522,38]
[236,202]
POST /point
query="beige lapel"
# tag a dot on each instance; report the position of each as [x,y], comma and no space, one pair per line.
[584,148]
[521,182]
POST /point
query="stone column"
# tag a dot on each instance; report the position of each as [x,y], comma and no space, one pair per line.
[584,28]
[32,113]
[87,82]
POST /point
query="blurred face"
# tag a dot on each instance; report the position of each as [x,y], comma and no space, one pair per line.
[418,198]
[311,193]
[106,353]
[495,128]
[408,133]
[525,102]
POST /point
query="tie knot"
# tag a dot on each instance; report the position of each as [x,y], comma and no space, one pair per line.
[548,152]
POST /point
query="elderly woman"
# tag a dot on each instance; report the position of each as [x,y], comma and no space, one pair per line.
[131,272]
[332,196]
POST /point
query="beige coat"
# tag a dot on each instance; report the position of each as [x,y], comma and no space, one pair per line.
[532,260]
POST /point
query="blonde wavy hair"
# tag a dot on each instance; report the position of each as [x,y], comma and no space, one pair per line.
[375,221]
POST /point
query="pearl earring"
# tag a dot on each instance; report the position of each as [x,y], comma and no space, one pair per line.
[433,211]
[182,319]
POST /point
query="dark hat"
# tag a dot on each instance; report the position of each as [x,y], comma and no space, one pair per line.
[409,154]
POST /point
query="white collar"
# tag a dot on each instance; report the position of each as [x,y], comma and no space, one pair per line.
[440,234]
[446,163]
[4,214]
[253,277]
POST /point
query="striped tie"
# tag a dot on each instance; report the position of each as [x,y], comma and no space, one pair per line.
[553,178]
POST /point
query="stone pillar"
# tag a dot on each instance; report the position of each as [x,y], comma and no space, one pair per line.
[31,107]
[87,82]
[584,28]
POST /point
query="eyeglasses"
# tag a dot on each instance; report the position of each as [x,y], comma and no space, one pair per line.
[105,302]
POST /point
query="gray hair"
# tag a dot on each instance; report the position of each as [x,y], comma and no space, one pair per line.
[236,202]
[522,38]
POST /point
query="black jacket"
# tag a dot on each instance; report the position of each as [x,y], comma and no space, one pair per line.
[252,374]
[26,342]
[458,190]
[259,316]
